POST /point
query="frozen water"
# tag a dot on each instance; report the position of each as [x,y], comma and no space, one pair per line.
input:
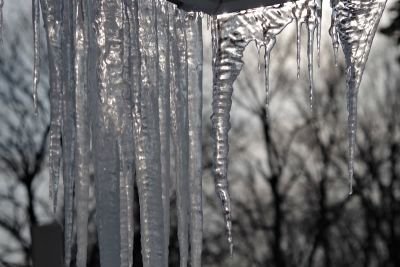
[36,48]
[126,75]
[356,22]
[1,20]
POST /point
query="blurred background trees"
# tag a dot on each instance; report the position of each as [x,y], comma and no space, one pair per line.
[288,170]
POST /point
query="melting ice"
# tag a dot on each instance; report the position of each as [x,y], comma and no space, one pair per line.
[126,75]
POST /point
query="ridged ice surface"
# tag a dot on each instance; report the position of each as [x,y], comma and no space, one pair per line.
[356,23]
[231,34]
[126,93]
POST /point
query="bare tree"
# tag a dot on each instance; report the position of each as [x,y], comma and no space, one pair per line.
[23,149]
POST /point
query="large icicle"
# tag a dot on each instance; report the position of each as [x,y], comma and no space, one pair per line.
[82,145]
[147,136]
[227,65]
[195,71]
[231,33]
[107,128]
[126,149]
[179,123]
[51,12]
[68,127]
[356,22]
[36,49]
[163,37]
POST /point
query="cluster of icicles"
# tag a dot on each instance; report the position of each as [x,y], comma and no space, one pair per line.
[126,93]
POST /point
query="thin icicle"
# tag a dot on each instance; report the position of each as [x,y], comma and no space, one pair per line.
[68,128]
[356,22]
[36,49]
[267,56]
[319,27]
[1,21]
[82,135]
[195,64]
[126,148]
[333,33]
[51,19]
[310,53]
[163,37]
[147,136]
[179,123]
[298,43]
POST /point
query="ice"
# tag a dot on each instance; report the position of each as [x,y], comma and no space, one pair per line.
[36,49]
[179,127]
[126,75]
[195,71]
[310,53]
[231,34]
[356,22]
[148,140]
[51,20]
[82,135]
[267,56]
[68,133]
[1,20]
[164,72]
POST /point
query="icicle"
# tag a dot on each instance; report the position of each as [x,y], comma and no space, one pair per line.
[82,134]
[163,36]
[68,127]
[310,52]
[195,64]
[1,21]
[126,148]
[226,68]
[51,20]
[36,49]
[319,26]
[268,48]
[333,33]
[179,120]
[356,22]
[230,35]
[147,138]
[260,57]
[298,42]
[107,130]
